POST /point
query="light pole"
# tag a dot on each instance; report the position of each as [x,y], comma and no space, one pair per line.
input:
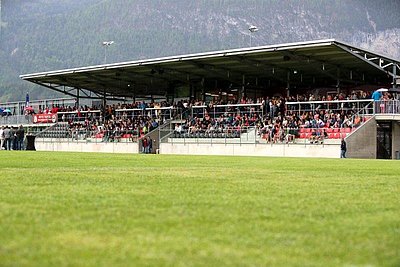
[252,29]
[106,44]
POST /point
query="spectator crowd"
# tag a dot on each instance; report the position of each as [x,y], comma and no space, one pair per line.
[272,117]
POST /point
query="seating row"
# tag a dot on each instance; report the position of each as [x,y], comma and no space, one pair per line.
[330,135]
[328,130]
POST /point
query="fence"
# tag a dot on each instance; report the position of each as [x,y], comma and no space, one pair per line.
[61,132]
[162,113]
[387,107]
[334,106]
[215,111]
[16,119]
[79,116]
[18,108]
[228,135]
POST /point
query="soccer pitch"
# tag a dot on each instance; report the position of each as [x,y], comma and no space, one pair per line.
[88,209]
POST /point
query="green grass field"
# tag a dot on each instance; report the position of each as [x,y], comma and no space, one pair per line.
[77,209]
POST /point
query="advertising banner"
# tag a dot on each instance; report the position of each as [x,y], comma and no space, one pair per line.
[44,118]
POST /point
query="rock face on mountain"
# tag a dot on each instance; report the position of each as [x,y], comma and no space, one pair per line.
[42,35]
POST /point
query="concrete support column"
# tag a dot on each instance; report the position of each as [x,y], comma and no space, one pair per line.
[203,90]
[104,99]
[395,139]
[243,90]
[191,92]
[77,98]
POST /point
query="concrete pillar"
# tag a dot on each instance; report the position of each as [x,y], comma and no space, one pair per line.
[395,138]
[77,98]
[203,90]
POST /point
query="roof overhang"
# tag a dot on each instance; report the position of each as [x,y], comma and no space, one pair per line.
[293,64]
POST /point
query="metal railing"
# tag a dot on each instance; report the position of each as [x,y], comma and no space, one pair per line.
[387,107]
[16,119]
[216,111]
[227,135]
[65,134]
[164,113]
[18,107]
[334,105]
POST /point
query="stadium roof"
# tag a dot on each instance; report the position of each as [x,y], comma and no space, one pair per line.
[294,65]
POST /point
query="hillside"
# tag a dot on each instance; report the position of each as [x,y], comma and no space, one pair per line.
[42,35]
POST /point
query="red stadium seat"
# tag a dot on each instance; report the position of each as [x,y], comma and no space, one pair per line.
[302,135]
[329,130]
[348,130]
[302,130]
[335,130]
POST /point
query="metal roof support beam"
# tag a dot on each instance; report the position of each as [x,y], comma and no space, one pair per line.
[86,94]
[223,72]
[242,92]
[72,81]
[66,92]
[77,97]
[151,76]
[66,88]
[98,77]
[324,65]
[203,90]
[170,72]
[381,64]
[100,81]
[104,99]
[256,64]
[53,88]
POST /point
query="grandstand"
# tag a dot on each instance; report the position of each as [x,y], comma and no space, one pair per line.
[297,99]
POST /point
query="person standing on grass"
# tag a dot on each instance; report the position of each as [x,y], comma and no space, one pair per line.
[20,137]
[1,137]
[7,138]
[150,145]
[343,149]
[144,145]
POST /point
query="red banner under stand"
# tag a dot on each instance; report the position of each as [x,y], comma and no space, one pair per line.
[44,118]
